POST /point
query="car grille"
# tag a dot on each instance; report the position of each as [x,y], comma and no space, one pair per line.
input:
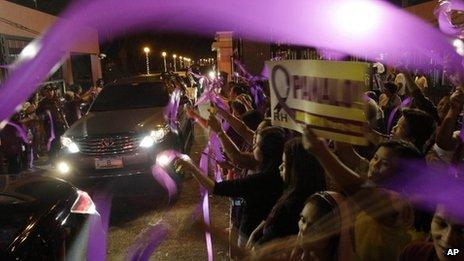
[112,145]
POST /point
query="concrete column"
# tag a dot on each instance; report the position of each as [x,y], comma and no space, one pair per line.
[96,68]
[67,70]
[224,48]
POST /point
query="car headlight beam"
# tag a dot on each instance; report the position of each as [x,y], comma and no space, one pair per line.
[153,137]
[70,145]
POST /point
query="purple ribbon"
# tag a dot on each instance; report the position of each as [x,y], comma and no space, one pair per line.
[406,102]
[282,102]
[147,242]
[98,232]
[256,90]
[171,110]
[20,130]
[52,131]
[163,178]
[204,166]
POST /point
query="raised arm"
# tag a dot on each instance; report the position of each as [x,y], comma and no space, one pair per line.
[204,180]
[346,179]
[444,138]
[243,159]
[349,156]
[238,125]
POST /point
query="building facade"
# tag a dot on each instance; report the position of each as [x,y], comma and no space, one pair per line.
[20,25]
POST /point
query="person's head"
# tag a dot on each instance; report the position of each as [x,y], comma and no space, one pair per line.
[300,170]
[268,146]
[415,126]
[48,91]
[100,83]
[319,209]
[76,88]
[400,81]
[252,119]
[266,122]
[238,109]
[390,88]
[447,233]
[372,95]
[421,82]
[388,158]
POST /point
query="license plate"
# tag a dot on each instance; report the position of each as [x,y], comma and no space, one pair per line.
[109,163]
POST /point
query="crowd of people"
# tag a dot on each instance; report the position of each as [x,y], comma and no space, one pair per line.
[34,132]
[297,196]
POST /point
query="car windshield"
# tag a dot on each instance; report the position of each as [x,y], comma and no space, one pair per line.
[131,96]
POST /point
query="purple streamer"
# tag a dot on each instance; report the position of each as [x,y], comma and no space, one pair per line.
[256,90]
[406,102]
[163,178]
[147,242]
[52,131]
[21,131]
[97,242]
[171,110]
[204,166]
[425,186]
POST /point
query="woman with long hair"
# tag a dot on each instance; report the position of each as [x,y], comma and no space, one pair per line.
[303,176]
[260,191]
[325,229]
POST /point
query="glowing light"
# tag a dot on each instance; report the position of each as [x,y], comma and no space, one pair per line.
[459,45]
[355,18]
[70,145]
[174,56]
[163,54]
[30,51]
[63,168]
[146,50]
[163,160]
[147,142]
[212,75]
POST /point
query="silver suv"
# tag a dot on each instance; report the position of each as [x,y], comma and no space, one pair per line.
[124,130]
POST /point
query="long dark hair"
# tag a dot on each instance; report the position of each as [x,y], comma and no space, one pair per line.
[271,147]
[305,175]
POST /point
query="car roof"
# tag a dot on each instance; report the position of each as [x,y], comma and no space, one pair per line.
[37,188]
[157,77]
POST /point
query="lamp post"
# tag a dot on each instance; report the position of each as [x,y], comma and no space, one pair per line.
[174,57]
[180,62]
[146,50]
[164,59]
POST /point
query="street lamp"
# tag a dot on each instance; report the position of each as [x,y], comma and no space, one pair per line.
[146,50]
[174,56]
[180,62]
[164,59]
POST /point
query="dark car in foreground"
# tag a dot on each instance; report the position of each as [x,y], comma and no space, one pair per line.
[43,218]
[119,138]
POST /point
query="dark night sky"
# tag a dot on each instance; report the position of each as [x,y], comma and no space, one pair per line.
[191,46]
[129,48]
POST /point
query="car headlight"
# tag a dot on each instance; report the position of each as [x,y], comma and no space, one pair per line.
[69,144]
[153,137]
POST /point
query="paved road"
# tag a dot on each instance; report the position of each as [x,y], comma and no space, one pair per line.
[132,220]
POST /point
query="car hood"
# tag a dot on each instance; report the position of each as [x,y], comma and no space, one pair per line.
[98,123]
